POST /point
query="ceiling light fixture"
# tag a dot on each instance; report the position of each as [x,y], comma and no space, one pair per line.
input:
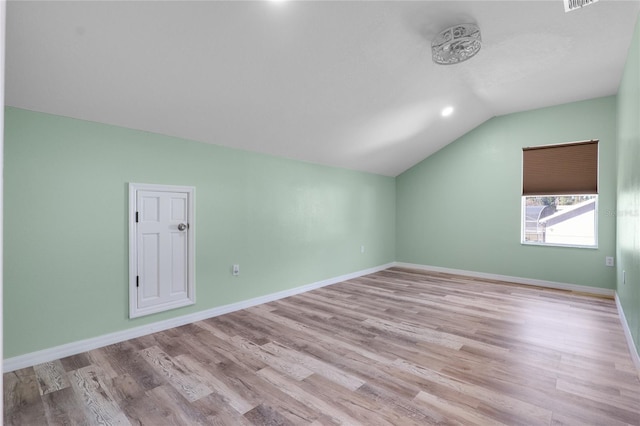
[447,111]
[456,44]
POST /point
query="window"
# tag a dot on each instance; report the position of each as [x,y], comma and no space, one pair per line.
[560,194]
[560,220]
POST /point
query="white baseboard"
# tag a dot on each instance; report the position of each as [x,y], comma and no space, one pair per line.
[57,352]
[518,280]
[627,334]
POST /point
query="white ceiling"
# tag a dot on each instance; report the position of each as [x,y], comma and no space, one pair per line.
[346,84]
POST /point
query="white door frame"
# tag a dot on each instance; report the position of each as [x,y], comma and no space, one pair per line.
[134,310]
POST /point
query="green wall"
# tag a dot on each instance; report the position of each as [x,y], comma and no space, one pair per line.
[287,224]
[460,208]
[629,188]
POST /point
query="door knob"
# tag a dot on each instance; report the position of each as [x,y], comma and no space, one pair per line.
[182,227]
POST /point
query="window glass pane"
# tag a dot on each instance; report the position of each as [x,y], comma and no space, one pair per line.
[560,220]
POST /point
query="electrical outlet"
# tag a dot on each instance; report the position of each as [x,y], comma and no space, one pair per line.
[608,261]
[236,270]
[361,249]
[624,277]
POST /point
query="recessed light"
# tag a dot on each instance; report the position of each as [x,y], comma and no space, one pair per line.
[447,111]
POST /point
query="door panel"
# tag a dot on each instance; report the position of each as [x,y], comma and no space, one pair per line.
[178,209]
[161,248]
[178,264]
[149,264]
[150,208]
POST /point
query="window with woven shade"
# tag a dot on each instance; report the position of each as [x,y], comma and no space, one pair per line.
[560,194]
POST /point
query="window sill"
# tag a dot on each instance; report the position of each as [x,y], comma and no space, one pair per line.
[557,245]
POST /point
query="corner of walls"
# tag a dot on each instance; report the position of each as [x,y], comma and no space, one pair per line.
[633,350]
[3,19]
[460,207]
[287,223]
[628,194]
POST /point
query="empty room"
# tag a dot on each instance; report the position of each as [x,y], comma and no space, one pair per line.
[321,212]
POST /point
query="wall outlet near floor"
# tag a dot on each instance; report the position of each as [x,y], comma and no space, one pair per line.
[608,261]
[361,249]
[624,277]
[236,270]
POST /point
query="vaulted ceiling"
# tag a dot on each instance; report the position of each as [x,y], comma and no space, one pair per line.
[342,83]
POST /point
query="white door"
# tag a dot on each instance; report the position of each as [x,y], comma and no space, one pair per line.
[161,248]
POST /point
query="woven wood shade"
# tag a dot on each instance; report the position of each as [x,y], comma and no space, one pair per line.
[570,168]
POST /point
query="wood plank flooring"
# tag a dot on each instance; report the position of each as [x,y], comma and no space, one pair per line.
[399,347]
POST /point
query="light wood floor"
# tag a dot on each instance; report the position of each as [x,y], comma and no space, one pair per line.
[397,347]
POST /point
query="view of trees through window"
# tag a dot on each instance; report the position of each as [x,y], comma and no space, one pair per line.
[560,220]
